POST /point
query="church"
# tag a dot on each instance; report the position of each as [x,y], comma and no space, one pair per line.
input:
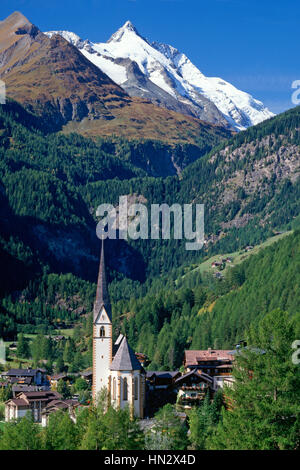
[115,366]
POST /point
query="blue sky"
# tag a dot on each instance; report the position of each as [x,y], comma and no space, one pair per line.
[252,44]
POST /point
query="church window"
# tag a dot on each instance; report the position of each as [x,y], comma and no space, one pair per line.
[136,388]
[125,389]
[114,389]
[102,331]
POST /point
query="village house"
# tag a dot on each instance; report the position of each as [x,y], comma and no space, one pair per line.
[33,402]
[161,380]
[60,405]
[216,264]
[25,376]
[216,363]
[192,388]
[55,378]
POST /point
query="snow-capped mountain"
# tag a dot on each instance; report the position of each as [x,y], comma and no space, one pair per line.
[167,77]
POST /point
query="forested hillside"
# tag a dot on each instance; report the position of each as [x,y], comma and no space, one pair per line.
[51,185]
[215,313]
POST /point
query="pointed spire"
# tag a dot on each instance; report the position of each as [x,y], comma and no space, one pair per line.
[102,296]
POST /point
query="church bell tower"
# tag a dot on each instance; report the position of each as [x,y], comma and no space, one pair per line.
[102,333]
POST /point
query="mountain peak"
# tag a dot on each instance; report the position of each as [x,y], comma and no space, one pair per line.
[14,21]
[127,27]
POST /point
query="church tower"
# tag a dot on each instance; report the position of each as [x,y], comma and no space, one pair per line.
[102,333]
[115,367]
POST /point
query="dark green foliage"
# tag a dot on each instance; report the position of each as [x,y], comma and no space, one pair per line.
[264,400]
[21,435]
[271,280]
[204,419]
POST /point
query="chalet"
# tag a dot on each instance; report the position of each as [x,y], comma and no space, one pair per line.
[25,376]
[216,264]
[59,405]
[215,362]
[192,387]
[33,402]
[55,378]
[161,379]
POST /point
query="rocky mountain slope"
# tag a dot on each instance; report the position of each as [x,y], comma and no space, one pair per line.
[55,80]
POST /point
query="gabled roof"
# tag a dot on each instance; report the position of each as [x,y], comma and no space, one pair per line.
[40,395]
[125,359]
[17,402]
[192,357]
[196,373]
[102,297]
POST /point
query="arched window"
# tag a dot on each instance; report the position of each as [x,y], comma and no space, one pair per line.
[102,332]
[114,389]
[125,389]
[136,388]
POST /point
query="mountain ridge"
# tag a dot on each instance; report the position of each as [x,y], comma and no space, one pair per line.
[53,79]
[211,99]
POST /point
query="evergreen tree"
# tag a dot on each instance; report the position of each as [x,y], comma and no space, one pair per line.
[63,388]
[61,433]
[264,400]
[21,435]
[23,346]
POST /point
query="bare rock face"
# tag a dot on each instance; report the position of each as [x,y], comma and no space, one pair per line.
[29,29]
[55,80]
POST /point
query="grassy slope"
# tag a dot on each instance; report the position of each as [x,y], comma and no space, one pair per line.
[238,256]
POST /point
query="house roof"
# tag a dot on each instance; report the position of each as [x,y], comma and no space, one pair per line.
[22,372]
[202,375]
[42,395]
[86,373]
[24,388]
[163,374]
[18,402]
[192,357]
[58,376]
[55,405]
[125,359]
[25,380]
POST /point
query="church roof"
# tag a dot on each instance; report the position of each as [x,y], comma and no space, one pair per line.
[102,297]
[125,359]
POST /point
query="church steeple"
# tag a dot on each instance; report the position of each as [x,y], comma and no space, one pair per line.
[102,296]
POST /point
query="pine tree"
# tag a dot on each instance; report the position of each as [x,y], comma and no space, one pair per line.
[264,400]
[61,433]
[21,435]
[23,347]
